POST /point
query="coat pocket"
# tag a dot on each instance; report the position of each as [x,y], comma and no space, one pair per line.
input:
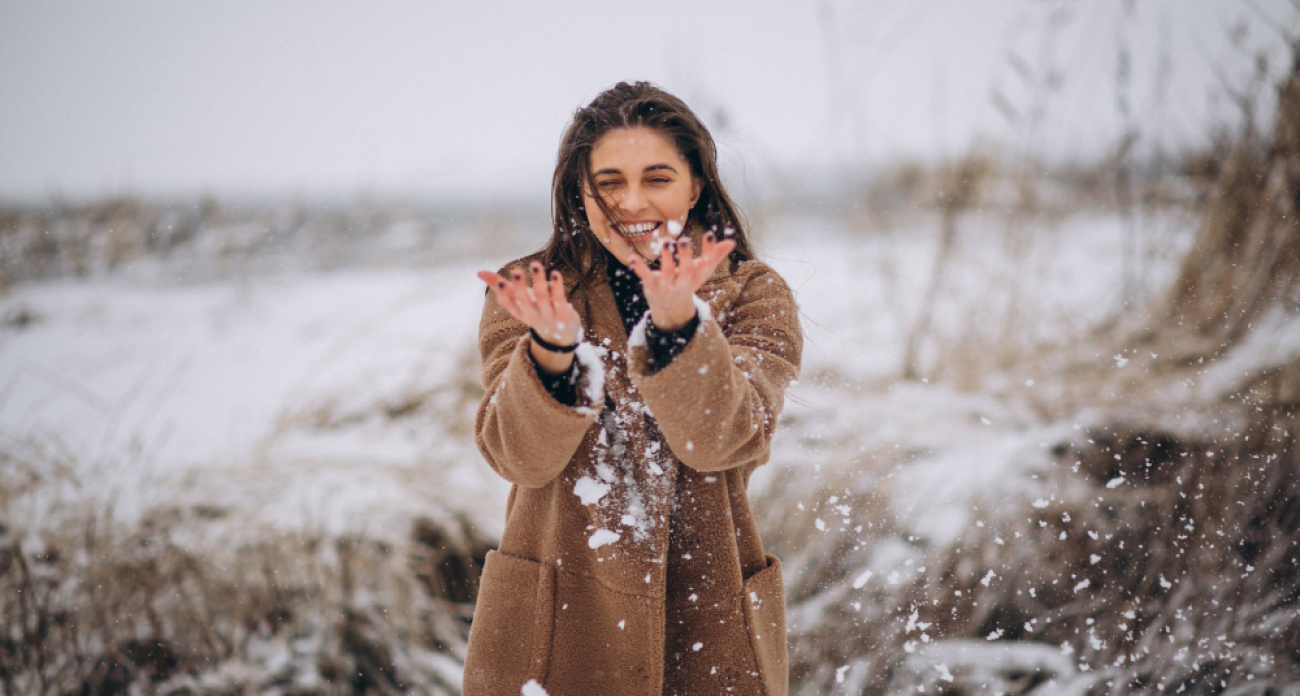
[510,637]
[764,603]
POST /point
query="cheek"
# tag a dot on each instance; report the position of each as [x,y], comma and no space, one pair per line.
[595,218]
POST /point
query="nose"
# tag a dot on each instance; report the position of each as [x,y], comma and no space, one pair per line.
[633,199]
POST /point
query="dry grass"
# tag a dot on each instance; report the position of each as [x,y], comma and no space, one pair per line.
[205,240]
[1157,562]
[91,607]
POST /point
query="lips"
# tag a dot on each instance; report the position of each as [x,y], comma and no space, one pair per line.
[637,231]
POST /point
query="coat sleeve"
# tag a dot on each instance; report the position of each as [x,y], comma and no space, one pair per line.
[717,403]
[524,433]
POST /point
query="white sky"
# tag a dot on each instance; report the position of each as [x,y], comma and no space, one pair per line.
[321,97]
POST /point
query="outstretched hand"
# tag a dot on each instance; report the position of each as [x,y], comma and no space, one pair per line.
[543,307]
[670,291]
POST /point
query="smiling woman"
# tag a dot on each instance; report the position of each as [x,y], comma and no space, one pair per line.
[634,370]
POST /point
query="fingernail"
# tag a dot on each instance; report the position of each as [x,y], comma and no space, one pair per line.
[501,283]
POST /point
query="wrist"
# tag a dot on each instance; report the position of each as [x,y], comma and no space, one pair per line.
[669,322]
[551,347]
[548,362]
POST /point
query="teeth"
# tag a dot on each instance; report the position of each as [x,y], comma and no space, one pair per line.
[639,228]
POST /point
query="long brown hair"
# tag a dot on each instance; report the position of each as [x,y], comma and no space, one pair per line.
[572,245]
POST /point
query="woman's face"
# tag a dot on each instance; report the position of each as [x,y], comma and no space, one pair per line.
[646,184]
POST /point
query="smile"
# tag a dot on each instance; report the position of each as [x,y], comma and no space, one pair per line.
[637,231]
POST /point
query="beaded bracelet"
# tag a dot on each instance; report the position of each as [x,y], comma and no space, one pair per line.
[551,346]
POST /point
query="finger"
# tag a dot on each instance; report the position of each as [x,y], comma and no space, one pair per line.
[668,261]
[557,290]
[565,316]
[492,279]
[710,258]
[724,248]
[685,256]
[520,294]
[707,245]
[538,288]
[641,270]
[514,285]
[500,287]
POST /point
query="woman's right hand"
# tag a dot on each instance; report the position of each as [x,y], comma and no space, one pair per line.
[543,307]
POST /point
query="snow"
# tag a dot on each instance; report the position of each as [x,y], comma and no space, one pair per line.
[601,537]
[264,394]
[344,400]
[589,357]
[532,688]
[589,490]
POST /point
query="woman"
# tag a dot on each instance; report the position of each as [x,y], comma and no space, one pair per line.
[634,368]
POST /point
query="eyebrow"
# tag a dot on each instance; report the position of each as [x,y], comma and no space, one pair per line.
[651,168]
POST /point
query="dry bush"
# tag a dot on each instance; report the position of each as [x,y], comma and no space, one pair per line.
[1154,562]
[1163,564]
[1247,255]
[210,240]
[1143,559]
[95,608]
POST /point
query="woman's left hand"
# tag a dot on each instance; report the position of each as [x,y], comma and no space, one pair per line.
[670,291]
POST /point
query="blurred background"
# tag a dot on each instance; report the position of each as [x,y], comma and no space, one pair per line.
[1046,255]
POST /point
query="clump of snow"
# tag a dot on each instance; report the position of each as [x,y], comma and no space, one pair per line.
[637,337]
[532,688]
[588,357]
[589,490]
[601,537]
[702,308]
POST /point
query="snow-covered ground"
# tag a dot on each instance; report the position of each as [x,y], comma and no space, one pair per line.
[341,401]
[281,394]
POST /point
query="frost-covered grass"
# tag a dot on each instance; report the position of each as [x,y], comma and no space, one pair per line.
[271,423]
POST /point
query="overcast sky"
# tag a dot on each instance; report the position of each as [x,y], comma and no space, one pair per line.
[320,97]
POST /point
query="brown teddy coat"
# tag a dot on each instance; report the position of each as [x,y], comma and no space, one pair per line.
[631,562]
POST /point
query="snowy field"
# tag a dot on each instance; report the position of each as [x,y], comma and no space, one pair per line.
[264,398]
[280,393]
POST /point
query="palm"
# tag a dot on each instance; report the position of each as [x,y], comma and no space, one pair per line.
[670,291]
[542,306]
